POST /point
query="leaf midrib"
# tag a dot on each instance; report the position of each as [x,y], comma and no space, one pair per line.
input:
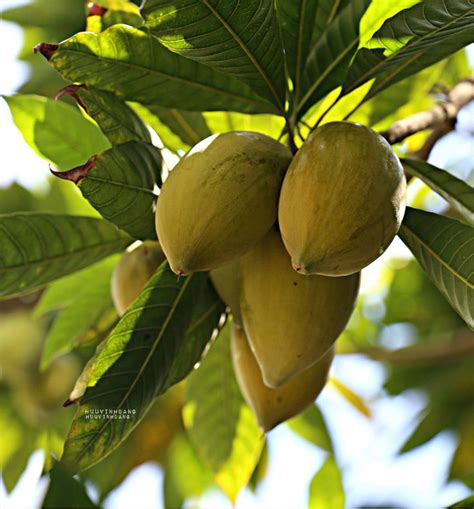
[98,433]
[367,75]
[435,255]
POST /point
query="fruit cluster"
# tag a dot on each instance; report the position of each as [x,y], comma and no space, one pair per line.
[284,240]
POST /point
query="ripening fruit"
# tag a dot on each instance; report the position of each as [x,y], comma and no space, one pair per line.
[226,282]
[133,271]
[273,406]
[342,200]
[291,320]
[220,199]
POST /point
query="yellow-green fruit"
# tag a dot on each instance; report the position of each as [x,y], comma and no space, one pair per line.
[220,199]
[342,200]
[133,271]
[226,281]
[291,320]
[273,406]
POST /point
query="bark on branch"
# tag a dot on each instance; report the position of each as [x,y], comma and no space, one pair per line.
[444,113]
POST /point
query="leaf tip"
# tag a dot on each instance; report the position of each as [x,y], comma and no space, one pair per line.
[46,49]
[69,402]
[72,91]
[78,173]
[96,9]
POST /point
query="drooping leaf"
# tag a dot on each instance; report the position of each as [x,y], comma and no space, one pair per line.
[221,426]
[155,345]
[465,503]
[134,65]
[311,426]
[457,192]
[80,302]
[326,488]
[38,248]
[116,119]
[237,38]
[56,131]
[351,397]
[444,248]
[120,184]
[64,490]
[327,63]
[413,39]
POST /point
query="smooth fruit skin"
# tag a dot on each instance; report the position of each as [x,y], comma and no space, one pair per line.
[133,271]
[226,282]
[291,320]
[273,406]
[220,199]
[342,200]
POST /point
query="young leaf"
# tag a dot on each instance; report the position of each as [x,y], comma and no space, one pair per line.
[38,248]
[221,426]
[444,249]
[311,426]
[237,38]
[56,131]
[134,65]
[410,41]
[64,490]
[120,184]
[457,192]
[155,345]
[116,119]
[326,488]
[81,301]
[327,64]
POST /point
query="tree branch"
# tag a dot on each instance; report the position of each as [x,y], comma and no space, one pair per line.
[443,113]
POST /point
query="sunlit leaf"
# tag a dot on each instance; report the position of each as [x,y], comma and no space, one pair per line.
[38,248]
[444,248]
[311,426]
[133,64]
[237,38]
[457,192]
[156,344]
[326,488]
[221,426]
[55,130]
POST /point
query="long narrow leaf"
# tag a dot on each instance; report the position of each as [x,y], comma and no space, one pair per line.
[237,38]
[445,249]
[38,248]
[134,65]
[457,192]
[410,41]
[156,343]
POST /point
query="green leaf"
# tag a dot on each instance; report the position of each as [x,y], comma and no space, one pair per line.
[302,23]
[133,64]
[326,488]
[64,491]
[56,131]
[327,64]
[221,426]
[457,192]
[413,39]
[466,503]
[116,119]
[38,248]
[444,248]
[224,121]
[189,126]
[237,38]
[311,426]
[81,301]
[154,346]
[120,184]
